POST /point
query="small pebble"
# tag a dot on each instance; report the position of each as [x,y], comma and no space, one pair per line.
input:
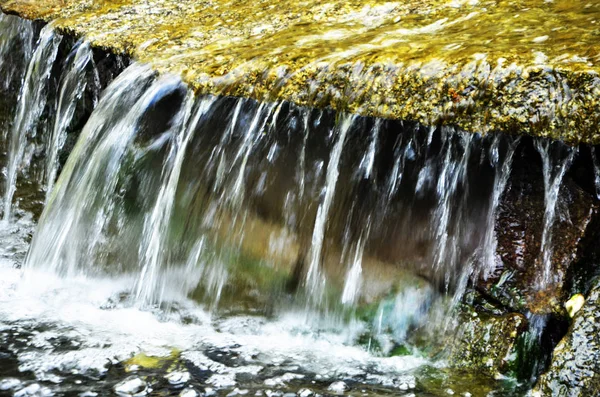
[9,383]
[177,377]
[188,393]
[540,39]
[131,387]
[338,387]
[209,391]
[237,392]
[305,393]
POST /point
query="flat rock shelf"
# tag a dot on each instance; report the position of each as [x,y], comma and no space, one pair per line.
[521,67]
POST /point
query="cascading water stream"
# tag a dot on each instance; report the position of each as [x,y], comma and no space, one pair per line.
[17,34]
[453,174]
[596,164]
[73,221]
[31,104]
[556,160]
[314,279]
[73,84]
[16,37]
[502,167]
[156,227]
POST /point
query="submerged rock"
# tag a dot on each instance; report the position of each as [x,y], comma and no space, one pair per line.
[575,367]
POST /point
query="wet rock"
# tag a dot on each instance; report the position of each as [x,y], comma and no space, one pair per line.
[338,387]
[132,387]
[34,390]
[575,367]
[178,378]
[188,393]
[305,393]
[519,226]
[9,383]
[486,342]
[574,304]
[542,82]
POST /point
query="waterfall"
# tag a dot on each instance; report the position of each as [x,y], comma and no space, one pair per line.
[32,101]
[73,84]
[556,160]
[255,247]
[71,225]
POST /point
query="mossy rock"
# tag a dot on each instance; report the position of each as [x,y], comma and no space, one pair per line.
[575,367]
[528,67]
[487,343]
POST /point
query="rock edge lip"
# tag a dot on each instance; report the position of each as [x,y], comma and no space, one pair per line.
[480,94]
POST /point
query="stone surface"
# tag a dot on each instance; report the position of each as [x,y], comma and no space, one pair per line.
[487,342]
[575,367]
[515,284]
[517,66]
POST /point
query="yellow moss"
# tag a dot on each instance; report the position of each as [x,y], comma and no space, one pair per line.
[574,304]
[151,362]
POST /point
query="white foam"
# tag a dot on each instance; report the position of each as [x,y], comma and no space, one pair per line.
[103,330]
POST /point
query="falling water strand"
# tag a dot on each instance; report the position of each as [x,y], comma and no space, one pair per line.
[148,289]
[452,175]
[301,169]
[73,216]
[72,86]
[502,168]
[314,278]
[367,163]
[353,279]
[554,169]
[14,33]
[395,178]
[596,162]
[219,151]
[32,101]
[252,135]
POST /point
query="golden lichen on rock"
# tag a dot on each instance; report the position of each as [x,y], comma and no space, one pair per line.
[528,66]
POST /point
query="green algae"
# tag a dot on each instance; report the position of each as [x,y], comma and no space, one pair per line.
[517,66]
